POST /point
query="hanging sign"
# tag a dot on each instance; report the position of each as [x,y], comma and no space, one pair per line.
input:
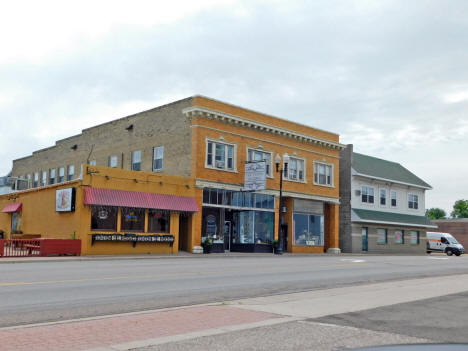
[255,176]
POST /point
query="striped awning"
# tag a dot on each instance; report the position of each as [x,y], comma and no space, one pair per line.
[14,207]
[122,198]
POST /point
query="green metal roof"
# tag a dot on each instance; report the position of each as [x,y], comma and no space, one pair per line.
[387,170]
[392,218]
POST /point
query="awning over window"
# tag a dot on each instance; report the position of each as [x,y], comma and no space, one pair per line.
[14,207]
[110,197]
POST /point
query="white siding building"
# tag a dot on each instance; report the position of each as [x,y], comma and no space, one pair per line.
[382,206]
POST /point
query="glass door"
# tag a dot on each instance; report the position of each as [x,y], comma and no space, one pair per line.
[364,238]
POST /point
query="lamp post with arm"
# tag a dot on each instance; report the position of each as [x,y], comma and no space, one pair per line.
[279,170]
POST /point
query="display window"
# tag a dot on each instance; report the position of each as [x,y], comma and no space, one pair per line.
[132,219]
[308,229]
[159,221]
[104,218]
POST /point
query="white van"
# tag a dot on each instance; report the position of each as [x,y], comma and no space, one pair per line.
[443,242]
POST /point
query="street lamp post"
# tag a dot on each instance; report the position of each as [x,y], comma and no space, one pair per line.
[279,250]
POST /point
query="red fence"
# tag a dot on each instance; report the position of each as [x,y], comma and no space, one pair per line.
[39,247]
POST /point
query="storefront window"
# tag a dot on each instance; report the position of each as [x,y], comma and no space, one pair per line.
[245,220]
[104,218]
[264,227]
[213,196]
[399,237]
[15,222]
[414,237]
[159,221]
[211,225]
[132,219]
[308,229]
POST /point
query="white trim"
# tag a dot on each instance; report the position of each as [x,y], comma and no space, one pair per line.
[332,166]
[304,167]
[386,197]
[394,223]
[161,147]
[362,192]
[264,140]
[390,180]
[408,201]
[213,160]
[266,128]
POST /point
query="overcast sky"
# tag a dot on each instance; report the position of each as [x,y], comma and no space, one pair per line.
[391,77]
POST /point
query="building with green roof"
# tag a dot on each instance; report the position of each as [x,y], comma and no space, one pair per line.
[382,206]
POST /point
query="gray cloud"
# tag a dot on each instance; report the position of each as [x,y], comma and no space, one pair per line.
[389,76]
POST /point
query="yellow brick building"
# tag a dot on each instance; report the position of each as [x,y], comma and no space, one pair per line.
[203,146]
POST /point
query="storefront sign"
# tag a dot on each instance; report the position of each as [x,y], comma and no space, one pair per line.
[255,176]
[133,238]
[65,200]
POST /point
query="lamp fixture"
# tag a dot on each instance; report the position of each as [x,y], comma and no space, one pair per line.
[130,127]
[74,147]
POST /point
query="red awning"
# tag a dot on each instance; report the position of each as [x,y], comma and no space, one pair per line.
[14,207]
[110,197]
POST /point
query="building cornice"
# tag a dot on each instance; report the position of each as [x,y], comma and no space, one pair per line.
[266,128]
[394,223]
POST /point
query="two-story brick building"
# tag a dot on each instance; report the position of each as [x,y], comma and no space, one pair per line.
[210,142]
[382,206]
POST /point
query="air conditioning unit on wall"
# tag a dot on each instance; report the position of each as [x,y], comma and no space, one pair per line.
[357,192]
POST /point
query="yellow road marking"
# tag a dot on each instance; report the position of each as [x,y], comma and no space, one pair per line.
[149,276]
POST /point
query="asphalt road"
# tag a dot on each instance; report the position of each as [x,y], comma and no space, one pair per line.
[51,291]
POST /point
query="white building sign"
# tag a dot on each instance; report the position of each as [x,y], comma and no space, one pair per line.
[255,176]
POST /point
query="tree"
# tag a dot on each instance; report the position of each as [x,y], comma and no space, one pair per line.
[436,213]
[460,209]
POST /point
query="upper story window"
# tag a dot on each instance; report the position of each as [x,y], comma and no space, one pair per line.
[36,180]
[323,174]
[393,198]
[92,163]
[136,161]
[52,176]
[158,158]
[295,169]
[413,201]
[383,197]
[28,177]
[219,155]
[367,194]
[71,172]
[61,175]
[44,178]
[258,155]
[113,161]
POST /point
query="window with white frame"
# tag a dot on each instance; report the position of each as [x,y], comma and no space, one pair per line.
[367,194]
[295,169]
[393,198]
[52,176]
[383,197]
[136,161]
[70,172]
[413,201]
[258,155]
[323,174]
[92,163]
[44,178]
[113,161]
[158,158]
[36,180]
[61,175]
[219,155]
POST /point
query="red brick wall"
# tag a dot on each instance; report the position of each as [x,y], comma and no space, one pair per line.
[459,229]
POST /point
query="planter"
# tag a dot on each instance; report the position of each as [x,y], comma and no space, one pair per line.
[206,248]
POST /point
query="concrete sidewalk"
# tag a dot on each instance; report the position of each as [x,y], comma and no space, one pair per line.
[284,318]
